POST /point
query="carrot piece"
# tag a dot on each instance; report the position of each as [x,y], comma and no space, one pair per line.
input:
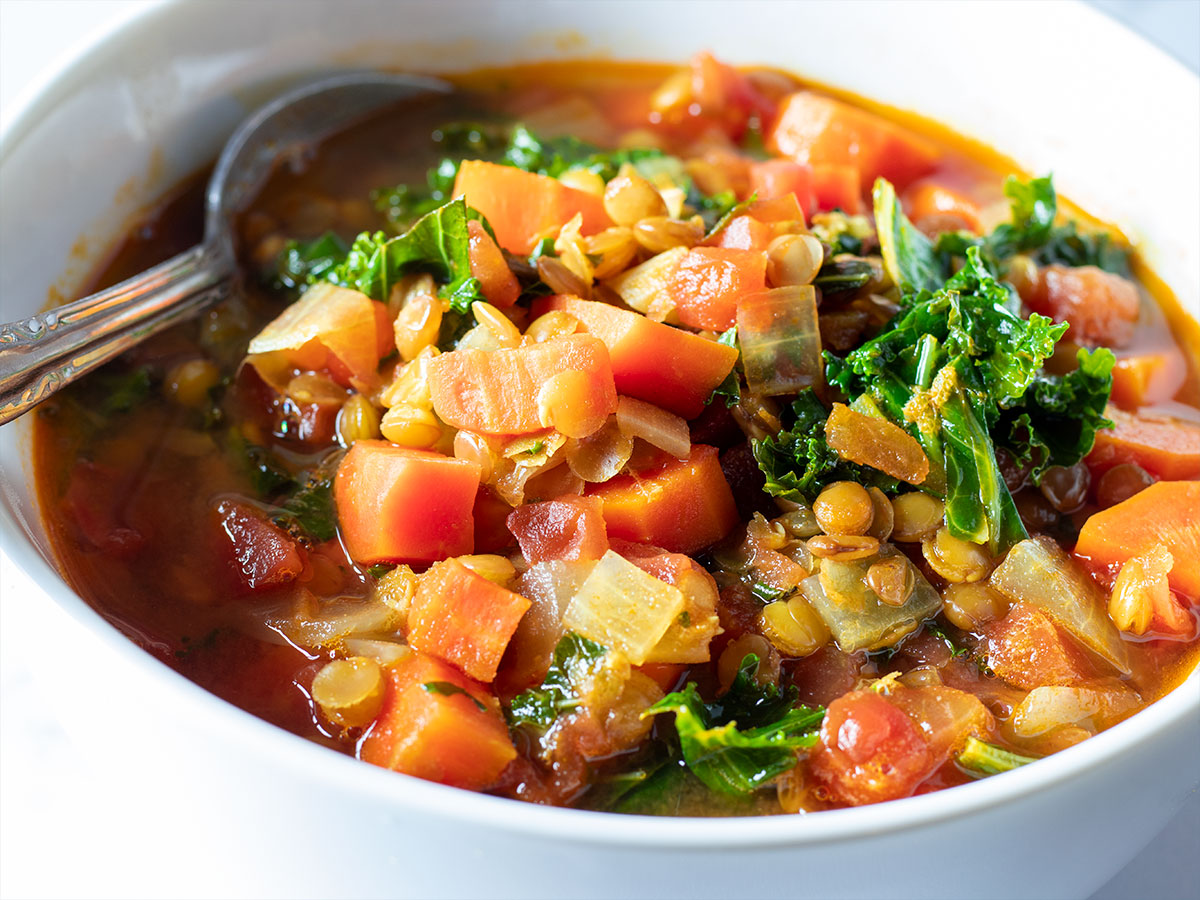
[1164,514]
[773,178]
[496,279]
[1162,445]
[1141,379]
[931,200]
[570,528]
[709,281]
[1101,307]
[679,505]
[523,207]
[432,726]
[264,555]
[820,130]
[838,187]
[459,616]
[496,392]
[400,505]
[651,361]
[1027,649]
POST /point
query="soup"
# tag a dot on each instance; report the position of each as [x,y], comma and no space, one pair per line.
[658,441]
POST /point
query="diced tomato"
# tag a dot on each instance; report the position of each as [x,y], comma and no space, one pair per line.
[945,716]
[1028,649]
[1165,514]
[401,505]
[780,178]
[461,617]
[439,725]
[1102,308]
[495,392]
[709,282]
[496,279]
[264,555]
[838,187]
[716,96]
[819,130]
[1164,446]
[569,528]
[92,501]
[680,505]
[869,751]
[745,233]
[652,361]
[523,207]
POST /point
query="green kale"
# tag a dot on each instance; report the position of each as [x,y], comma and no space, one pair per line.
[979,758]
[717,209]
[798,461]
[447,689]
[843,273]
[266,474]
[308,508]
[553,156]
[748,738]
[438,243]
[303,262]
[908,256]
[730,389]
[576,661]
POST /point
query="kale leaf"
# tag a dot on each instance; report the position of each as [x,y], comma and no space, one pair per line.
[798,461]
[576,660]
[730,389]
[748,738]
[908,256]
[449,689]
[309,506]
[438,243]
[979,758]
[303,262]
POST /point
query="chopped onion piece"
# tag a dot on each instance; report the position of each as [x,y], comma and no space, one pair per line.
[691,632]
[317,624]
[1038,572]
[780,343]
[858,619]
[646,287]
[601,455]
[654,425]
[623,608]
[1047,708]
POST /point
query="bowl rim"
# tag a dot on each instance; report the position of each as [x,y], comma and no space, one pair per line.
[269,741]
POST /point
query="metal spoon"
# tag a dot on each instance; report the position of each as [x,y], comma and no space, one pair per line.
[45,352]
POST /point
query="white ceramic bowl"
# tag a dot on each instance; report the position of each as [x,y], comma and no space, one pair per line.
[154,97]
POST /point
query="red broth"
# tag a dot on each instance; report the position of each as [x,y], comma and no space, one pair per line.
[163,478]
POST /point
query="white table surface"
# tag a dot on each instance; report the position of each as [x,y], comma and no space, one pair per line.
[66,832]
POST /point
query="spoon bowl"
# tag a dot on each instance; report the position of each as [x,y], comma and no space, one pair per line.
[42,354]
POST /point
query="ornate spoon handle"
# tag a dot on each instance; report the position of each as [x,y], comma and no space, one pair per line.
[43,353]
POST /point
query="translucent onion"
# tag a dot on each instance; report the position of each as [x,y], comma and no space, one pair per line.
[1038,572]
[688,638]
[646,287]
[654,425]
[386,653]
[858,619]
[623,608]
[780,343]
[316,624]
[1047,708]
[602,454]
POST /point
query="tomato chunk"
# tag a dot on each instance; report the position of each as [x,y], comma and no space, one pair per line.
[264,554]
[780,177]
[461,617]
[440,734]
[679,505]
[569,528]
[401,505]
[1027,649]
[869,751]
[1101,307]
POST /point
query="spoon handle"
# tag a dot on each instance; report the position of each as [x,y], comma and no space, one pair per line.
[42,354]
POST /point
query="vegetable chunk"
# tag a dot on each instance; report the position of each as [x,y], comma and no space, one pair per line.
[504,392]
[401,505]
[681,505]
[439,725]
[461,617]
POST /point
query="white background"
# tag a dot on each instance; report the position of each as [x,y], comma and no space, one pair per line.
[68,831]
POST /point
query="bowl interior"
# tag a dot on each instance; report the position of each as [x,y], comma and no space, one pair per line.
[158,97]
